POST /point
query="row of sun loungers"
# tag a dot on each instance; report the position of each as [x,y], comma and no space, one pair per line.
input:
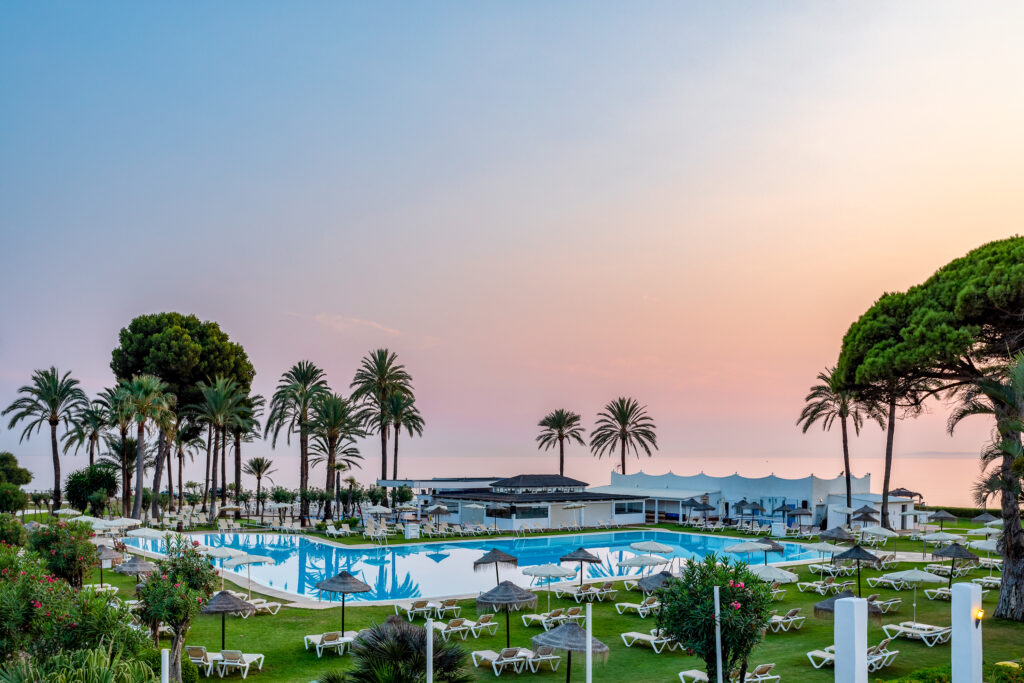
[224,661]
[789,621]
[879,656]
[825,586]
[518,659]
[424,608]
[762,673]
[588,592]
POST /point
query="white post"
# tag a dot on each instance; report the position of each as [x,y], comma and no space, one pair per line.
[590,654]
[430,650]
[851,640]
[165,665]
[966,639]
[718,634]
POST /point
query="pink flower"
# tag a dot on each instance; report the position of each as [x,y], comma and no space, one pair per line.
[741,584]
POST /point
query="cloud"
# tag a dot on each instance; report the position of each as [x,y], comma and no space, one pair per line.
[345,323]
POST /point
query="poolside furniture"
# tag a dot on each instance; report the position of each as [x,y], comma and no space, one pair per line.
[777,591]
[545,619]
[509,657]
[587,592]
[486,622]
[762,673]
[886,606]
[236,659]
[450,605]
[693,676]
[574,614]
[790,620]
[649,606]
[880,656]
[884,582]
[657,640]
[536,658]
[944,593]
[198,655]
[334,531]
[820,658]
[631,585]
[455,627]
[99,588]
[607,590]
[419,608]
[926,633]
[823,587]
[887,561]
[989,581]
[991,563]
[332,640]
[260,606]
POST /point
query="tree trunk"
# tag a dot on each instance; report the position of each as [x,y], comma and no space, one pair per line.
[259,505]
[206,481]
[383,448]
[561,456]
[161,443]
[890,428]
[140,455]
[124,472]
[177,645]
[1011,590]
[56,464]
[303,470]
[846,466]
[181,464]
[92,450]
[238,471]
[213,488]
[170,478]
[623,442]
[332,449]
[224,467]
[394,457]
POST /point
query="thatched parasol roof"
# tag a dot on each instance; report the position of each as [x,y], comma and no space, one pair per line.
[955,551]
[136,567]
[801,512]
[495,556]
[343,583]
[857,553]
[503,596]
[226,603]
[836,534]
[828,605]
[984,517]
[103,553]
[651,583]
[943,515]
[580,555]
[570,637]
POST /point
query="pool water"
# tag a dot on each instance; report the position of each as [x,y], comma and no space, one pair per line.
[436,569]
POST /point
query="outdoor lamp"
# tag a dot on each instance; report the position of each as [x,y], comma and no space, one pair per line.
[979,614]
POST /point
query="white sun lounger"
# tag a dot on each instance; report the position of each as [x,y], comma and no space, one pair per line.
[644,609]
[198,655]
[236,659]
[509,657]
[657,642]
[926,633]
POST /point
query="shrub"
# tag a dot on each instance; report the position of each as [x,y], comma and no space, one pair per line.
[12,531]
[688,611]
[939,674]
[1006,674]
[80,666]
[10,472]
[65,549]
[396,652]
[81,484]
[189,671]
[12,498]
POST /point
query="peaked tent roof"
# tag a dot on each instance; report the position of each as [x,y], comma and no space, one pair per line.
[537,481]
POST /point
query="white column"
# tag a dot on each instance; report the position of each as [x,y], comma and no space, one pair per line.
[165,665]
[851,640]
[590,653]
[966,639]
[430,650]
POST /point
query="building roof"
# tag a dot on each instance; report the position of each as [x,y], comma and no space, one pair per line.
[517,498]
[530,481]
[662,494]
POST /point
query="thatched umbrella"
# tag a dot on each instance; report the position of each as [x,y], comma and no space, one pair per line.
[785,509]
[136,567]
[343,583]
[836,534]
[865,509]
[580,555]
[505,596]
[705,508]
[651,583]
[865,517]
[955,552]
[105,554]
[571,638]
[828,606]
[498,559]
[942,516]
[984,517]
[224,603]
[689,504]
[860,555]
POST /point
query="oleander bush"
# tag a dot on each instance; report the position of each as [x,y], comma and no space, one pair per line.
[12,531]
[65,549]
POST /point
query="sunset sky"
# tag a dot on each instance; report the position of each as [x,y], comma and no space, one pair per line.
[537,205]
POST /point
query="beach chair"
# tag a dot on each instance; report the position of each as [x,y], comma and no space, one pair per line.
[486,622]
[509,657]
[693,676]
[574,614]
[607,590]
[545,619]
[880,656]
[450,606]
[881,581]
[419,608]
[820,658]
[332,640]
[455,627]
[201,658]
[926,633]
[587,592]
[762,673]
[777,591]
[789,621]
[644,609]
[886,606]
[989,581]
[631,585]
[236,659]
[536,658]
[821,587]
[658,641]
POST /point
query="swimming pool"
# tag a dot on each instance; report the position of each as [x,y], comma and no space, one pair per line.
[437,569]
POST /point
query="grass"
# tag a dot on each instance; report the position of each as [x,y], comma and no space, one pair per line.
[280,638]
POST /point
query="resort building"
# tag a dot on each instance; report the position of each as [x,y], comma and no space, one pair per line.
[664,495]
[549,500]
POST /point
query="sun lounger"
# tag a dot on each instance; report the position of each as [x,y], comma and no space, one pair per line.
[880,656]
[450,606]
[693,676]
[886,606]
[261,606]
[236,659]
[762,673]
[777,591]
[926,633]
[989,581]
[790,620]
[607,590]
[586,592]
[545,619]
[486,622]
[455,627]
[824,587]
[332,640]
[201,658]
[883,582]
[644,609]
[820,658]
[419,608]
[509,657]
[658,642]
[536,658]
[574,614]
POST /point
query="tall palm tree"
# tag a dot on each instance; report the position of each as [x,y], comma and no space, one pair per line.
[260,468]
[830,400]
[289,409]
[218,408]
[378,377]
[50,399]
[115,400]
[351,483]
[402,413]
[623,423]
[187,442]
[90,425]
[112,458]
[245,426]
[556,427]
[150,403]
[335,422]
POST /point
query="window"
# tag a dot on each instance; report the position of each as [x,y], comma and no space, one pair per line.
[531,512]
[630,508]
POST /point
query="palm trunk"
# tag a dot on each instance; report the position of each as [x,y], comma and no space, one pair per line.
[140,455]
[161,443]
[181,464]
[383,448]
[238,471]
[56,464]
[1011,590]
[170,478]
[213,489]
[92,450]
[124,471]
[623,442]
[259,505]
[223,467]
[394,457]
[846,465]
[561,456]
[332,449]
[890,428]
[303,471]
[206,481]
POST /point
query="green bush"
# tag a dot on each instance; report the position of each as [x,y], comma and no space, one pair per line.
[81,484]
[80,666]
[12,498]
[1006,674]
[65,549]
[12,531]
[963,513]
[189,671]
[939,674]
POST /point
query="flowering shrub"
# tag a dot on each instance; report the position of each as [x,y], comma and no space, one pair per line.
[12,531]
[41,615]
[688,611]
[65,549]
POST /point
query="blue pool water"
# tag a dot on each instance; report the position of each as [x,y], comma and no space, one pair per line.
[437,569]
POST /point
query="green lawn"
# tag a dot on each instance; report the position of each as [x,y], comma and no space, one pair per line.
[280,639]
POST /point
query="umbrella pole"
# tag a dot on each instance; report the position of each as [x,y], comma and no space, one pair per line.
[496,579]
[342,614]
[508,636]
[568,666]
[222,627]
[952,568]
[858,579]
[248,572]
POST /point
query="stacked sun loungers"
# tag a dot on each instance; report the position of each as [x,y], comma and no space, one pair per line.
[517,659]
[657,639]
[926,633]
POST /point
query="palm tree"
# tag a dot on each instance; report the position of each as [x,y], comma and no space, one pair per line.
[50,399]
[245,426]
[351,483]
[623,423]
[259,467]
[289,409]
[186,442]
[150,403]
[378,377]
[402,413]
[220,405]
[90,425]
[830,400]
[335,422]
[556,427]
[115,401]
